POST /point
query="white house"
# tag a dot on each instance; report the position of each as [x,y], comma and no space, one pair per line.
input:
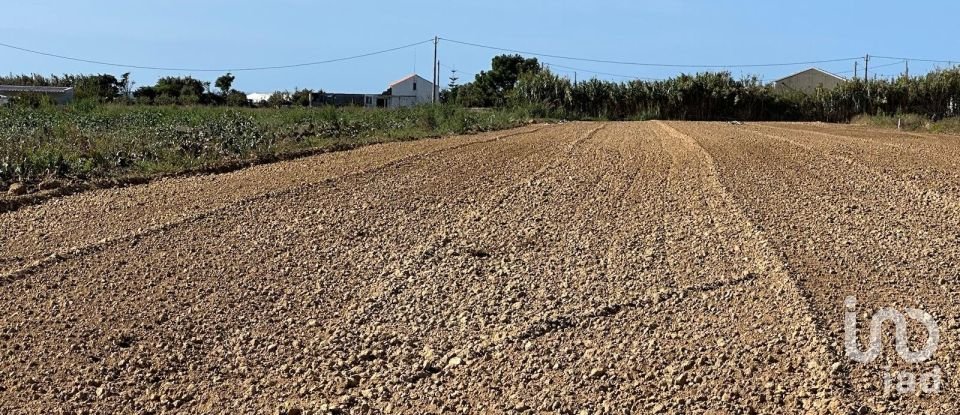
[409,91]
[258,97]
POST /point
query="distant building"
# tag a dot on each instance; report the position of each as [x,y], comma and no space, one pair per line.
[257,98]
[407,92]
[4,100]
[807,81]
[60,95]
[340,100]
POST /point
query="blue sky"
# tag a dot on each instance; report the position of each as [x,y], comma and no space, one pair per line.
[217,33]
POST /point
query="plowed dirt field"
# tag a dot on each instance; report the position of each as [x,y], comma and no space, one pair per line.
[580,268]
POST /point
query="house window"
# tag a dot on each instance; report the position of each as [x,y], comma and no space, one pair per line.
[414,86]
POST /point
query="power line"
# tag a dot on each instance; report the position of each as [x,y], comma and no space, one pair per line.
[877,66]
[601,73]
[460,71]
[888,64]
[899,62]
[667,65]
[885,75]
[615,62]
[255,68]
[919,59]
[455,69]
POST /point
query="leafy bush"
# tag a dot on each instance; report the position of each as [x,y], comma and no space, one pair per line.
[88,140]
[910,122]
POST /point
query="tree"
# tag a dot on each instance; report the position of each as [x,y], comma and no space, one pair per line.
[126,85]
[471,95]
[279,99]
[303,97]
[490,88]
[506,70]
[173,86]
[180,90]
[225,83]
[102,87]
[450,94]
[237,99]
[145,94]
[453,79]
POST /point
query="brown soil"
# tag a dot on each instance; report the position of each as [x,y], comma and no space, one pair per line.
[654,267]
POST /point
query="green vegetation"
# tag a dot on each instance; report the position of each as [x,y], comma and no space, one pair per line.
[85,140]
[99,87]
[493,88]
[169,90]
[910,122]
[516,81]
[181,124]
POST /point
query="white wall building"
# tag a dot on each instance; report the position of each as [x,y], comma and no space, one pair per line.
[258,97]
[407,92]
[410,91]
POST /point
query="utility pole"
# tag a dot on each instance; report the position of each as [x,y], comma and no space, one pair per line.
[574,78]
[866,67]
[855,70]
[436,71]
[906,81]
[866,79]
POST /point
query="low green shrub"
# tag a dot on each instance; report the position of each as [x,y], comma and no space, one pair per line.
[87,141]
[910,122]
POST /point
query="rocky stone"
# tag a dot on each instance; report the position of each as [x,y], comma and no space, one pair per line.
[49,184]
[17,189]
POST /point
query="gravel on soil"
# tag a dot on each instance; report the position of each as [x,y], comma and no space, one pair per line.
[580,268]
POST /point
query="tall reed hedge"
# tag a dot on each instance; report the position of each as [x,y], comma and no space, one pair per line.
[719,96]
